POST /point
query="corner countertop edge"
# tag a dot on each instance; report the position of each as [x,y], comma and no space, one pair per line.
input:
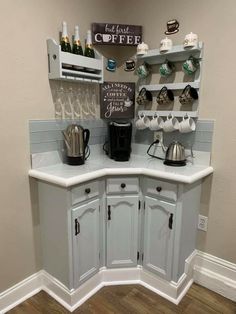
[68,182]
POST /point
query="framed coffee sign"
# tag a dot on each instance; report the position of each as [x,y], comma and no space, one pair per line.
[116,34]
[117,100]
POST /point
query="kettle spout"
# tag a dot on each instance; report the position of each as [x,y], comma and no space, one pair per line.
[67,140]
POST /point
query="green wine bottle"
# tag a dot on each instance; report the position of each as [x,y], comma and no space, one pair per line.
[77,48]
[89,51]
[65,43]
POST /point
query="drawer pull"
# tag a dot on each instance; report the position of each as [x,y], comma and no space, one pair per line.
[109,213]
[87,191]
[123,185]
[159,188]
[77,227]
[171,221]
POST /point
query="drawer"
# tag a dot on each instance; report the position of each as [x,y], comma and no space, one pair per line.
[84,192]
[122,185]
[161,189]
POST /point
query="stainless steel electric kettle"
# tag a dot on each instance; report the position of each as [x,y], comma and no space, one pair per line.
[174,154]
[76,139]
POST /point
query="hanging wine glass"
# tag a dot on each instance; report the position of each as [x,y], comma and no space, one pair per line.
[77,103]
[85,109]
[67,106]
[93,105]
[61,101]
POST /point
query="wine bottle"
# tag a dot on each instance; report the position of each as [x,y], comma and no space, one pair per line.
[89,51]
[65,43]
[77,48]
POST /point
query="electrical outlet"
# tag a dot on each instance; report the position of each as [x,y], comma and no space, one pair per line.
[158,135]
[202,222]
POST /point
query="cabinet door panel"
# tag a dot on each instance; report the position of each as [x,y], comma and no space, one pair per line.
[122,231]
[158,236]
[86,243]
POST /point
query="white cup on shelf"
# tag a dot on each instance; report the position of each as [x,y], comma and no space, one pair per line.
[156,123]
[142,123]
[187,124]
[171,124]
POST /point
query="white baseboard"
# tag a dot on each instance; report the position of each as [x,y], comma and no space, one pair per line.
[20,292]
[207,270]
[215,274]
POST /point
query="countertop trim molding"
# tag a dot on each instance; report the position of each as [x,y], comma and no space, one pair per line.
[68,182]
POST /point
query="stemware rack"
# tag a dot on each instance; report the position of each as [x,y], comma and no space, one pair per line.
[92,68]
[176,54]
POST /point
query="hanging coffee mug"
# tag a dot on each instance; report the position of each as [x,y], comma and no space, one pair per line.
[156,123]
[187,125]
[144,97]
[171,124]
[142,123]
[188,96]
[165,96]
[143,70]
[166,68]
[190,66]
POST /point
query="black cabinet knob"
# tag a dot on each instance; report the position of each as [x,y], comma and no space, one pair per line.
[87,191]
[123,185]
[159,188]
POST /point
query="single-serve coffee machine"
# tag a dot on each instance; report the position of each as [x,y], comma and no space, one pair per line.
[119,140]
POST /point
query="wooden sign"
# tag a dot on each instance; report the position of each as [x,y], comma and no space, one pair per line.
[117,100]
[116,34]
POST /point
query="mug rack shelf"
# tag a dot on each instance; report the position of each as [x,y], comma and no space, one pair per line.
[172,86]
[92,69]
[166,113]
[176,54]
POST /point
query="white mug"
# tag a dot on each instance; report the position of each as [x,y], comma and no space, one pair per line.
[142,49]
[142,123]
[191,40]
[166,45]
[171,124]
[156,123]
[187,125]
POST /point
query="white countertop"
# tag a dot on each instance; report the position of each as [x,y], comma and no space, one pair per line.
[66,176]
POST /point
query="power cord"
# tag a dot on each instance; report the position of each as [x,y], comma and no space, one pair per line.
[155,142]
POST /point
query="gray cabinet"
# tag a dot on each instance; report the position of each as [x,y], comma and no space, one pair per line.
[85,228]
[159,229]
[122,231]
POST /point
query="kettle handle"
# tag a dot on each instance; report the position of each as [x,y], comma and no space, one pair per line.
[86,135]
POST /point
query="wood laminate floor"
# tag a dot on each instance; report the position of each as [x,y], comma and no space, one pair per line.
[133,299]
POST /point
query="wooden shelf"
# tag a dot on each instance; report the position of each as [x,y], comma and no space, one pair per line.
[178,53]
[58,58]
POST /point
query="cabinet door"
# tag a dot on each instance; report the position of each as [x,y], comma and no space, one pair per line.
[85,228]
[158,236]
[122,231]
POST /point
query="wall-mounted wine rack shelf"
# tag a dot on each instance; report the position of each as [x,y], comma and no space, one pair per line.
[176,54]
[62,65]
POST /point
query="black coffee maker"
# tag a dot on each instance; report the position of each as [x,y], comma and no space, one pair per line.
[119,140]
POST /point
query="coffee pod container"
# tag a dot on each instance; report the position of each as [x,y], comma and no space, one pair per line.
[191,40]
[142,49]
[166,45]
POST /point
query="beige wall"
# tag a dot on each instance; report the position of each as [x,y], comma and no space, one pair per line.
[26,94]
